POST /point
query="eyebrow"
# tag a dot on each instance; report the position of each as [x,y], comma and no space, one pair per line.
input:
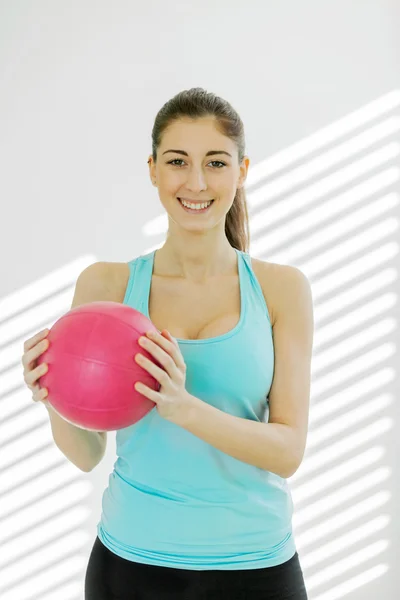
[210,153]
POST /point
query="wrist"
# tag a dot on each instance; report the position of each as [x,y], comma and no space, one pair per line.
[188,415]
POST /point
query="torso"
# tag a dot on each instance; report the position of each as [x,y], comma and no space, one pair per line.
[197,311]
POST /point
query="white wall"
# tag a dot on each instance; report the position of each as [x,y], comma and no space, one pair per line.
[81,83]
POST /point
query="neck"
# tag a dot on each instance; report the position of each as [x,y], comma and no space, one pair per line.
[195,261]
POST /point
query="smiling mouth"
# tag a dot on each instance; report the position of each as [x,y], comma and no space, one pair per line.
[196,210]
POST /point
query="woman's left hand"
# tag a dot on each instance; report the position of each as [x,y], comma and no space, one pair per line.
[173,400]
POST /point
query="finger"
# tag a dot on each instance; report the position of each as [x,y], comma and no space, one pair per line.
[171,347]
[31,342]
[159,338]
[34,388]
[167,358]
[174,341]
[146,391]
[161,375]
[40,395]
[31,355]
[31,377]
[169,336]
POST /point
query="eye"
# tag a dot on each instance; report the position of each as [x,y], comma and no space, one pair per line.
[220,162]
[171,162]
[175,160]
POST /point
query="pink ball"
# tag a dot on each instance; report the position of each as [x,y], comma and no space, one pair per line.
[91,366]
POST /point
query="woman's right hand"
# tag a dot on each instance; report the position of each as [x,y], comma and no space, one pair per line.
[33,348]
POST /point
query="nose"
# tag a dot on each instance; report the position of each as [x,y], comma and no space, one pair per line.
[196,181]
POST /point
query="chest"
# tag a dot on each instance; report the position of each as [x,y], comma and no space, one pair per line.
[195,312]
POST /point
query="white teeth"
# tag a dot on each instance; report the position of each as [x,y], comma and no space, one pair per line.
[195,206]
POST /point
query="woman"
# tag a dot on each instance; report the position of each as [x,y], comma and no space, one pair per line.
[198,505]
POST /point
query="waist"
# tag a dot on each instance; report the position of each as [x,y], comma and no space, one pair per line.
[154,519]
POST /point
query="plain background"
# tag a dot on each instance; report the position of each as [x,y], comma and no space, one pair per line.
[80,86]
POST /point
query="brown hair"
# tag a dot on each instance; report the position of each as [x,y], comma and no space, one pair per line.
[198,103]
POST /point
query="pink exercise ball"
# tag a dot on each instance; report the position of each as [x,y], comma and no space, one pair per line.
[92,369]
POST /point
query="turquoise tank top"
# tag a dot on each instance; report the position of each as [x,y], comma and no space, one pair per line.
[172,499]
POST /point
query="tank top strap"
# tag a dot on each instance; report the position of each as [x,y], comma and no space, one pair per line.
[140,271]
[252,289]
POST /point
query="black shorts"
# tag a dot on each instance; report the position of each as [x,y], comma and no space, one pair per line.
[110,577]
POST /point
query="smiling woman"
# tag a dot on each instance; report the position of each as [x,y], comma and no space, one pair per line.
[196,158]
[206,472]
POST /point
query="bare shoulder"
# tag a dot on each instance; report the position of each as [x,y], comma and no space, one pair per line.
[118,273]
[278,282]
[110,278]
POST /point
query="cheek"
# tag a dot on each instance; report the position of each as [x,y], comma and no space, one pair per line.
[172,187]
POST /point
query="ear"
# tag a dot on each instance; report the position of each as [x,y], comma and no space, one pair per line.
[244,167]
[152,170]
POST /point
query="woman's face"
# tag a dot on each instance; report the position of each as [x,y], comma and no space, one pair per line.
[183,170]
